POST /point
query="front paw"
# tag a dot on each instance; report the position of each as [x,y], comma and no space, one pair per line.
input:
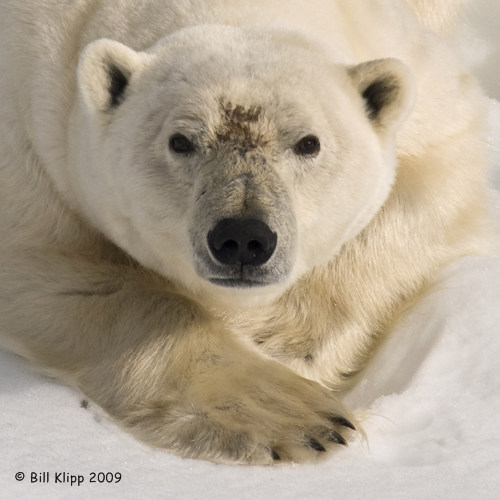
[260,414]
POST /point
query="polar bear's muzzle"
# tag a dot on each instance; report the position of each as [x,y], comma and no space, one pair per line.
[244,233]
[241,247]
[242,242]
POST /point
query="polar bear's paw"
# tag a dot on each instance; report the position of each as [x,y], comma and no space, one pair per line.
[244,414]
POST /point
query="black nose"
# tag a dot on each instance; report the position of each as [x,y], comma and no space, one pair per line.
[242,241]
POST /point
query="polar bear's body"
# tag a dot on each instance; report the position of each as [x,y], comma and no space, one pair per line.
[141,142]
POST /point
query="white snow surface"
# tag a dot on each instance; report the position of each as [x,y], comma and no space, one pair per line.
[431,396]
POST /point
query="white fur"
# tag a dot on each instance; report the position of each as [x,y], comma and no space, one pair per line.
[106,278]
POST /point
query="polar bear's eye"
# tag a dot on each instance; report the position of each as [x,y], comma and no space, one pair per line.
[181,144]
[307,146]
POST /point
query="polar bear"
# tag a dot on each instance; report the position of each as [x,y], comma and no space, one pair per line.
[210,212]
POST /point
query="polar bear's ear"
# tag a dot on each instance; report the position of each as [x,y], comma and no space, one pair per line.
[388,89]
[104,71]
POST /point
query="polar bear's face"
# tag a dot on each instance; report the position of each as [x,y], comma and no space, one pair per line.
[233,161]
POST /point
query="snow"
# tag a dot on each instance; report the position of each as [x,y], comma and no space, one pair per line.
[432,396]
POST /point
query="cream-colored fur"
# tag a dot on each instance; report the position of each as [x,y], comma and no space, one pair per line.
[106,277]
[437,15]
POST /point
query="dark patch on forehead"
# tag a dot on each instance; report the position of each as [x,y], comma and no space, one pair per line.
[239,114]
[236,126]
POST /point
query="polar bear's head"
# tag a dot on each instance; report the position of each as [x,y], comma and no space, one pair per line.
[233,160]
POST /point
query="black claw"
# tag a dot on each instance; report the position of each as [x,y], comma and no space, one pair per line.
[335,437]
[315,445]
[342,421]
[275,456]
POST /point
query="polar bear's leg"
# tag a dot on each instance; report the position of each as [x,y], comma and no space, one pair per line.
[160,365]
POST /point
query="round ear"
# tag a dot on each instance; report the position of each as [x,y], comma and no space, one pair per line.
[388,89]
[104,72]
